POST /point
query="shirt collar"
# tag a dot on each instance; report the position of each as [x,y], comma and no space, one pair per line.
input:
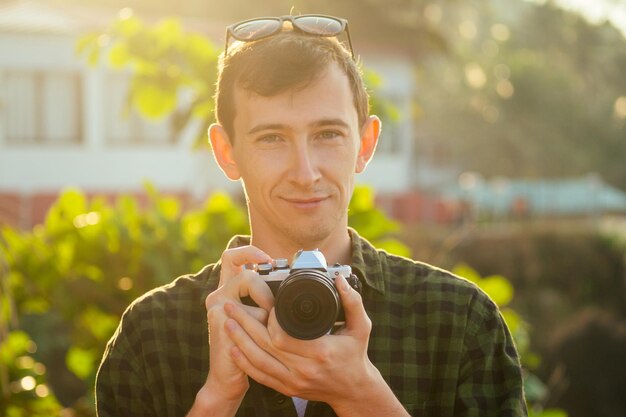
[366,264]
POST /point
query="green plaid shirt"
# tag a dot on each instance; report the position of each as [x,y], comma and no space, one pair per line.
[438,340]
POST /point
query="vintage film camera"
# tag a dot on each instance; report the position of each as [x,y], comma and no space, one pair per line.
[306,301]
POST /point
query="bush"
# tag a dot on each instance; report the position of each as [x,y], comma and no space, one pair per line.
[66,283]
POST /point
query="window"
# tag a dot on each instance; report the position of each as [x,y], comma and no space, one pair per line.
[41,107]
[124,125]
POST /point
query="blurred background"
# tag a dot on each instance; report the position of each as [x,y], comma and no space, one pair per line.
[503,158]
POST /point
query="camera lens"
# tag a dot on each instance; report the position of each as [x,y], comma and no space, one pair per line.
[306,307]
[307,304]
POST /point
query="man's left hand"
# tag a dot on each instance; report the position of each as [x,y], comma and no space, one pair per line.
[334,368]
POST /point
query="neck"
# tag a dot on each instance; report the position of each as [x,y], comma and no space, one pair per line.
[336,247]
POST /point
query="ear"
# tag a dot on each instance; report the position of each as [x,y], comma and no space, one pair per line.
[223,151]
[369,138]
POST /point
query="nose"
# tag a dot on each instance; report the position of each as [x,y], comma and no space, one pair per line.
[304,170]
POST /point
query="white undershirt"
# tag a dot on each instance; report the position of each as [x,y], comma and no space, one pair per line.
[300,405]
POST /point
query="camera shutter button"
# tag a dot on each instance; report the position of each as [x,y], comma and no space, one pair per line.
[264,269]
[281,263]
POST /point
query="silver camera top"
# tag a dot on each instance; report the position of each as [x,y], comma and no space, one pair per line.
[308,259]
[303,259]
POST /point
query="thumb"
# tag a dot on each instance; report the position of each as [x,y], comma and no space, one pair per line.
[357,321]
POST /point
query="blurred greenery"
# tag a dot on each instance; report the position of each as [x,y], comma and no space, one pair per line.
[66,282]
[523,85]
[173,73]
[166,63]
[504,87]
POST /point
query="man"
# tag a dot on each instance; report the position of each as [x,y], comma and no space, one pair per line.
[293,127]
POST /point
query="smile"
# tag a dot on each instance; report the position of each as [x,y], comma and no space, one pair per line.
[306,203]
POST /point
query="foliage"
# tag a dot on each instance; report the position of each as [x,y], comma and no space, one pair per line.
[67,282]
[69,279]
[500,290]
[173,73]
[373,224]
[523,85]
[25,391]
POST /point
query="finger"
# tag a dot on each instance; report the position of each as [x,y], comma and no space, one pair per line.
[234,259]
[259,355]
[357,321]
[293,350]
[216,318]
[256,330]
[244,364]
[259,333]
[259,314]
[249,283]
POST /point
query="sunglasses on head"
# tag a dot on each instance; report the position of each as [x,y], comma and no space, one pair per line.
[311,24]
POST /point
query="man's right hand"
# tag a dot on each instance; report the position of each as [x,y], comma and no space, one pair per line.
[226,384]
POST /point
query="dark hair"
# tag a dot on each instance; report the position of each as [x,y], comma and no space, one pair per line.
[286,61]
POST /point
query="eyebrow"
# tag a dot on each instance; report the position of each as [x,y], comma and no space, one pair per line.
[268,126]
[317,123]
[330,122]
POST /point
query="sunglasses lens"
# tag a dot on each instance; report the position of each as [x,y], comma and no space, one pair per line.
[256,29]
[318,25]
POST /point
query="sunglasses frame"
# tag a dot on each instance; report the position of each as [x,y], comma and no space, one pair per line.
[230,30]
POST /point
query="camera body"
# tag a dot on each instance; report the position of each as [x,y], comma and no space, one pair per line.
[307,302]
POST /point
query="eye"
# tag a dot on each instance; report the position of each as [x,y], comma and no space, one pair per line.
[269,139]
[329,134]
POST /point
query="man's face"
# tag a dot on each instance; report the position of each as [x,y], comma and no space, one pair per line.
[297,153]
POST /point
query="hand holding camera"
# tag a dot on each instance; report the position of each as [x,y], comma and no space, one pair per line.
[225,377]
[307,302]
[331,368]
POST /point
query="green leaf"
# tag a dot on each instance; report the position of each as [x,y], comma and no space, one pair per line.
[80,362]
[169,32]
[87,42]
[534,388]
[100,324]
[65,251]
[169,208]
[119,55]
[128,27]
[35,305]
[362,199]
[153,101]
[394,246]
[498,288]
[15,345]
[550,412]
[219,202]
[203,109]
[467,272]
[372,79]
[70,204]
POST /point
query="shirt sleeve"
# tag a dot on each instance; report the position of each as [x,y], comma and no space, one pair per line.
[120,383]
[490,382]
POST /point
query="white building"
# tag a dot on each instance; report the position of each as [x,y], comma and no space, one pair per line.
[62,124]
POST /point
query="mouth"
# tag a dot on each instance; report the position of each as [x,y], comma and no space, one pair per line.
[306,203]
